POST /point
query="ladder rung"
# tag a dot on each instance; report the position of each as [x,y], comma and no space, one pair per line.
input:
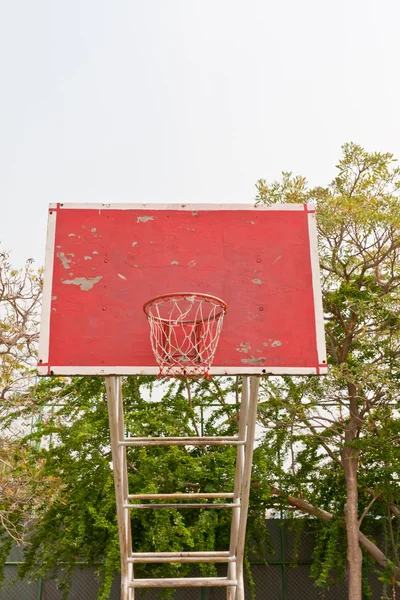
[224,553]
[183,441]
[178,496]
[181,557]
[183,582]
[197,505]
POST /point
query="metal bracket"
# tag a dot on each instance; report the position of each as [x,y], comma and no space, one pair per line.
[244,441]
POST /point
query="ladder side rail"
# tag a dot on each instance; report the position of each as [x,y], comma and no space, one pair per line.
[242,426]
[248,464]
[114,418]
[124,469]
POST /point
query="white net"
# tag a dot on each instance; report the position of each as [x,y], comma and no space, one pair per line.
[184,332]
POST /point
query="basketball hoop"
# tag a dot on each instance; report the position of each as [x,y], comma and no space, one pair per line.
[184,332]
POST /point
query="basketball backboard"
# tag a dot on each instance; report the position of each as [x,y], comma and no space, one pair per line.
[103,262]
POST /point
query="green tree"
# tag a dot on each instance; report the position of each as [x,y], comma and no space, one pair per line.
[78,526]
[346,425]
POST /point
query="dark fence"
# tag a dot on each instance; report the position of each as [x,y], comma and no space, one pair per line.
[276,581]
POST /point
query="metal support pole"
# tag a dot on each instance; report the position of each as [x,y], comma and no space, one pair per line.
[242,426]
[116,420]
[240,498]
[248,464]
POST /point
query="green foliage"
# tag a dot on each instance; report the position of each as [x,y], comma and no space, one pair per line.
[328,562]
[79,526]
[357,405]
[309,429]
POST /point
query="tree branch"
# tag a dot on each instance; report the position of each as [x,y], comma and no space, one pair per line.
[324,515]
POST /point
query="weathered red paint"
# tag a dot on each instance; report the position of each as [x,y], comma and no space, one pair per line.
[108,263]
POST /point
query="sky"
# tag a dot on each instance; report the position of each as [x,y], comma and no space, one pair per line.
[183,101]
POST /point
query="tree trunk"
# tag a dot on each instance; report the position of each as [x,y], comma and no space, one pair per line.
[354,554]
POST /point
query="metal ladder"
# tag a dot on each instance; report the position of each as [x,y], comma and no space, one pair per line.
[239,504]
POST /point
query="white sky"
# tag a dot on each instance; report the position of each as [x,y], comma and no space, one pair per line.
[184,100]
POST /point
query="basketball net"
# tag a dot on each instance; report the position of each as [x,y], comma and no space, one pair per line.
[184,332]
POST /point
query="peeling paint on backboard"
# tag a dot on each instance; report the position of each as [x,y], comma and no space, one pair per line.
[261,360]
[84,283]
[65,261]
[244,347]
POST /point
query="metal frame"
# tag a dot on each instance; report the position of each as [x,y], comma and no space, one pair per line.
[244,441]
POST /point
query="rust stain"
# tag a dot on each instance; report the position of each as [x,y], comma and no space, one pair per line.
[144,219]
[84,283]
[258,281]
[243,347]
[261,360]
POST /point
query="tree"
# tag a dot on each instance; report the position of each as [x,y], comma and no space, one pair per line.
[350,417]
[20,296]
[22,487]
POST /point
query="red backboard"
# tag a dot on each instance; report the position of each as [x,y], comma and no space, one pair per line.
[103,262]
